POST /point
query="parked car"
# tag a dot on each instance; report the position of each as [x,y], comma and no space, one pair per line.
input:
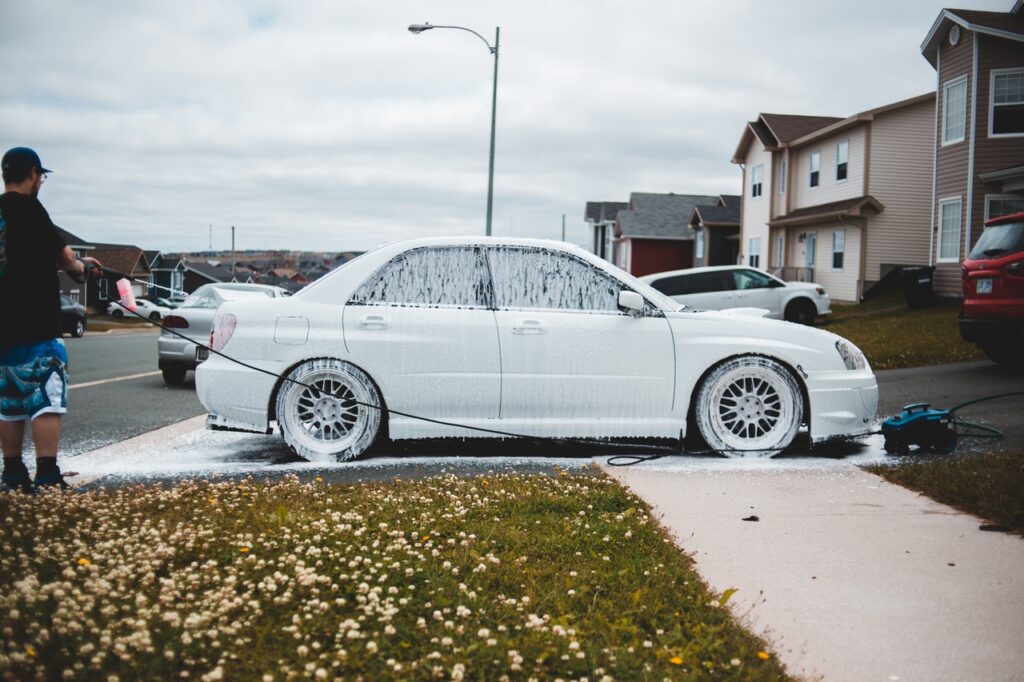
[171,302]
[72,317]
[733,286]
[147,309]
[193,320]
[527,336]
[992,312]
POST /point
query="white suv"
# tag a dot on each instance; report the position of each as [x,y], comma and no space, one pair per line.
[734,286]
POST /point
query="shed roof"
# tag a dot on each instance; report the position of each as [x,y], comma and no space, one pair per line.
[664,216]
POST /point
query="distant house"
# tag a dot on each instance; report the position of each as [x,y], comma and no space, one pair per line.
[600,216]
[168,275]
[69,287]
[199,272]
[652,234]
[126,259]
[978,143]
[837,201]
[716,230]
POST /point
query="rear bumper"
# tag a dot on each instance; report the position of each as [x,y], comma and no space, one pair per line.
[842,403]
[995,332]
[175,352]
[236,397]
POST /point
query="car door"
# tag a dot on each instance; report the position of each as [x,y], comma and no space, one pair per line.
[568,353]
[711,290]
[423,327]
[755,289]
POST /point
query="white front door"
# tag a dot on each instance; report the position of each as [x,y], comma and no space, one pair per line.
[570,358]
[422,328]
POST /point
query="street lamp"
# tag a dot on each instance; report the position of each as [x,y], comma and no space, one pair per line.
[420,28]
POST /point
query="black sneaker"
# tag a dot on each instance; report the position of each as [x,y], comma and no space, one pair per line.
[16,481]
[52,479]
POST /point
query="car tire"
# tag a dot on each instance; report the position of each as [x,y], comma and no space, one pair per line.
[1004,355]
[78,329]
[174,376]
[801,311]
[749,406]
[117,313]
[155,317]
[324,411]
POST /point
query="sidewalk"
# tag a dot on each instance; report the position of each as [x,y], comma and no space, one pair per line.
[847,576]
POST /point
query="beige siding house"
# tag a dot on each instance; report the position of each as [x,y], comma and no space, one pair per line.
[851,197]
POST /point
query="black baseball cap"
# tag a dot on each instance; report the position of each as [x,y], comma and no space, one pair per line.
[23,158]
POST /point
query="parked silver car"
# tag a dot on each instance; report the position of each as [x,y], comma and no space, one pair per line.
[194,319]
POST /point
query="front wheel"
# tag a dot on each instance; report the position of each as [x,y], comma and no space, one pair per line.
[329,410]
[174,376]
[154,316]
[749,407]
[117,313]
[801,311]
[78,331]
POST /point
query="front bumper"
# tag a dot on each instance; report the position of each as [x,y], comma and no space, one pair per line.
[992,331]
[842,403]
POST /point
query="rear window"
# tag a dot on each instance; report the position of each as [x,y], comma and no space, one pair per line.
[999,240]
[213,296]
[695,283]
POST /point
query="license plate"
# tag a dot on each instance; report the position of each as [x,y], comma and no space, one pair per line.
[202,354]
[985,285]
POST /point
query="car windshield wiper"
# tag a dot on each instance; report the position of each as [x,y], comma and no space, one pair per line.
[994,252]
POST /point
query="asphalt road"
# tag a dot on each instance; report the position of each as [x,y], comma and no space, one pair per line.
[105,407]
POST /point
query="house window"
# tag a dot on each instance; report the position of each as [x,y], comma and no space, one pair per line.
[782,176]
[102,288]
[838,249]
[1007,108]
[780,251]
[842,160]
[949,229]
[1000,205]
[954,110]
[815,169]
[754,253]
[756,178]
[699,247]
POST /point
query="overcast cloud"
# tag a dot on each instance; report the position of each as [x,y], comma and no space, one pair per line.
[327,125]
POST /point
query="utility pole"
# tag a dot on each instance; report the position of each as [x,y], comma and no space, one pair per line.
[563,227]
[233,258]
[211,237]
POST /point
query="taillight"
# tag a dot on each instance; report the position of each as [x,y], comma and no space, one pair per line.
[175,322]
[223,328]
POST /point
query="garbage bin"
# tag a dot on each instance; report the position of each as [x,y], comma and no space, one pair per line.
[918,285]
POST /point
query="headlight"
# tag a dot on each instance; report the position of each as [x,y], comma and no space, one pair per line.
[821,292]
[851,355]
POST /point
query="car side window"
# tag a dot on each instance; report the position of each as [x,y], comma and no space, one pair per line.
[710,282]
[526,277]
[677,285]
[751,279]
[429,277]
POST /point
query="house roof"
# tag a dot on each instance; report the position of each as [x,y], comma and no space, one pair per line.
[730,200]
[661,216]
[151,256]
[122,258]
[71,239]
[848,208]
[862,117]
[601,211]
[1008,25]
[214,273]
[777,130]
[715,216]
[167,261]
[1011,172]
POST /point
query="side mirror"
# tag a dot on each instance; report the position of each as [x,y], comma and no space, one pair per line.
[631,302]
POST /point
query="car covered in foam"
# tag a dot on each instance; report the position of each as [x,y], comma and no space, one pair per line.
[463,337]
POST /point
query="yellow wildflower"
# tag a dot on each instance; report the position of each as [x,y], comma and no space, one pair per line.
[763,656]
[243,550]
[676,660]
[30,650]
[84,562]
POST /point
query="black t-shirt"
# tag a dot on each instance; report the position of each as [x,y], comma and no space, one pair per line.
[29,289]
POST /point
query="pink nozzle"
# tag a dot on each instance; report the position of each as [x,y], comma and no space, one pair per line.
[124,289]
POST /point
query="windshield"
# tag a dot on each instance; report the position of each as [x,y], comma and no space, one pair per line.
[211,296]
[999,240]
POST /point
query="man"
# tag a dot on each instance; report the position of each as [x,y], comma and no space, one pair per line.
[33,375]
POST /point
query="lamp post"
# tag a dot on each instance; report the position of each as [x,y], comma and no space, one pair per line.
[420,28]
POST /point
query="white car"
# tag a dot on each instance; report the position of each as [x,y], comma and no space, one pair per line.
[733,286]
[530,337]
[143,307]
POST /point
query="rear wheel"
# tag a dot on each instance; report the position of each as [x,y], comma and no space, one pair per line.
[325,410]
[78,330]
[801,311]
[117,312]
[749,407]
[174,376]
[154,316]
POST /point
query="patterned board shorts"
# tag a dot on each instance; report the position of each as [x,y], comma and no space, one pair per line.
[33,380]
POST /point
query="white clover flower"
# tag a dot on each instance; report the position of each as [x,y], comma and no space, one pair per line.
[483,633]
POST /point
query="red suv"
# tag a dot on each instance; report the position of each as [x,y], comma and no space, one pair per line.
[992,314]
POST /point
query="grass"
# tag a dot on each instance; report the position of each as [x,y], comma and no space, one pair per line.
[105,323]
[989,485]
[893,335]
[487,578]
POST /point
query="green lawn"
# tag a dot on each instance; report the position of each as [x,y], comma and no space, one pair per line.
[892,335]
[488,578]
[989,485]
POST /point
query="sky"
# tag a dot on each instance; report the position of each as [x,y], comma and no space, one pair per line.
[329,126]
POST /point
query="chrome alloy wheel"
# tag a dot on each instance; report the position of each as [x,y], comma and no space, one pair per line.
[324,410]
[749,406]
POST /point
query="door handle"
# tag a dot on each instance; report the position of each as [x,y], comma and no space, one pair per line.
[528,327]
[373,322]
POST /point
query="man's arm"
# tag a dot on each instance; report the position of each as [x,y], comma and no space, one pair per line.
[75,267]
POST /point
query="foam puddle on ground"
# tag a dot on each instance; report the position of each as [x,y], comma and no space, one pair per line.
[187,449]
